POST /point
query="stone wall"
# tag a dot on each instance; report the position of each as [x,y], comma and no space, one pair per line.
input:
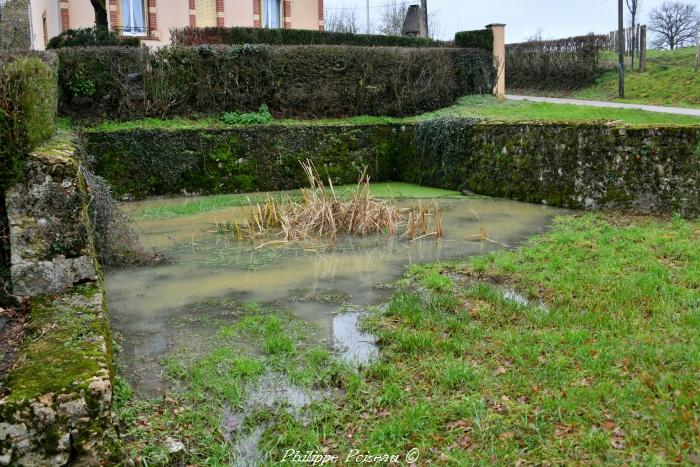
[51,249]
[55,402]
[58,409]
[574,165]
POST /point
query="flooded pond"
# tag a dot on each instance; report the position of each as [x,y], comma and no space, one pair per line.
[181,304]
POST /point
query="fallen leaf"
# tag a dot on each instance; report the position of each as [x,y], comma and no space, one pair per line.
[609,425]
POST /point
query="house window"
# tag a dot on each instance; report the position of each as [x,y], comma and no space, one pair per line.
[272,13]
[133,18]
[206,13]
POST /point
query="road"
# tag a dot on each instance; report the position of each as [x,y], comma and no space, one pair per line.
[615,105]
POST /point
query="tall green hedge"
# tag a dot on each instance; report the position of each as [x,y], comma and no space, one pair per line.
[239,35]
[28,102]
[478,39]
[294,81]
[562,64]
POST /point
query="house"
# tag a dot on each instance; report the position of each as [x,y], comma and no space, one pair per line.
[152,20]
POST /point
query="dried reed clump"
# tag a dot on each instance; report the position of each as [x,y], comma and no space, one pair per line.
[321,212]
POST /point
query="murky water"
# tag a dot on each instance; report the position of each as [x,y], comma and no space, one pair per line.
[181,304]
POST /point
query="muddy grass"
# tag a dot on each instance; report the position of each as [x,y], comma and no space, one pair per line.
[595,360]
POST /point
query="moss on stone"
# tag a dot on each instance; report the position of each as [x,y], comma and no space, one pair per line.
[65,344]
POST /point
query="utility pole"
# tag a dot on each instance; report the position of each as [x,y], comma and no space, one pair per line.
[424,7]
[369,29]
[621,45]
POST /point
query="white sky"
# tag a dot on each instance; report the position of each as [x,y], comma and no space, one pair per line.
[556,18]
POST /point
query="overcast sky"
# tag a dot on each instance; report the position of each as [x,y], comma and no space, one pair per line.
[556,18]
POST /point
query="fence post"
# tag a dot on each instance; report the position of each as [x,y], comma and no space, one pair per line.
[499,58]
[643,49]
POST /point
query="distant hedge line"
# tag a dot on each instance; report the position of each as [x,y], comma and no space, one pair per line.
[240,35]
[563,64]
[294,81]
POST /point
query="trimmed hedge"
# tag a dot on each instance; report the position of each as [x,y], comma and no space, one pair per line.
[91,37]
[239,35]
[28,101]
[142,163]
[574,165]
[564,64]
[478,39]
[294,81]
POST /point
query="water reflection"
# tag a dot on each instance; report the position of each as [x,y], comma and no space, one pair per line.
[156,311]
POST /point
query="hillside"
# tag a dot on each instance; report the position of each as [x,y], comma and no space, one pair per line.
[670,80]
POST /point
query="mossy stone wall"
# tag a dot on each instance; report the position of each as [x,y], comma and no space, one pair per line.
[575,165]
[142,163]
[57,410]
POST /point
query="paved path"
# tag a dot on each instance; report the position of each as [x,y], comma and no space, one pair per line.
[616,105]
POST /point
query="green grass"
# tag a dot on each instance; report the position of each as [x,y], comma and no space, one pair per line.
[209,387]
[670,80]
[201,205]
[600,368]
[605,373]
[489,108]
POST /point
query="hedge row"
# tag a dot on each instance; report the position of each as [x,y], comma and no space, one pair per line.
[564,64]
[478,39]
[28,101]
[294,81]
[239,35]
[570,165]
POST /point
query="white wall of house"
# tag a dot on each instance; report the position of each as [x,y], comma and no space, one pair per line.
[238,13]
[37,9]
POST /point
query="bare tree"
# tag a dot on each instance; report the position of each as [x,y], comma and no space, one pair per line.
[633,8]
[392,17]
[675,24]
[100,8]
[341,19]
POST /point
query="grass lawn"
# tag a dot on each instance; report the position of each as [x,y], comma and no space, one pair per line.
[601,365]
[670,80]
[490,108]
[203,204]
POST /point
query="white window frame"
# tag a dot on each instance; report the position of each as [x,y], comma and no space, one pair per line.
[264,14]
[131,13]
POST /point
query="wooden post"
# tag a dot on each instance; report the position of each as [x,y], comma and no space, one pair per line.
[621,47]
[697,47]
[643,49]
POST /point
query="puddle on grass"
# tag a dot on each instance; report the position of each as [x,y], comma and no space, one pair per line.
[182,304]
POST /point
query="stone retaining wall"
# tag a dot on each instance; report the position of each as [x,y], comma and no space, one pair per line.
[573,165]
[55,402]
